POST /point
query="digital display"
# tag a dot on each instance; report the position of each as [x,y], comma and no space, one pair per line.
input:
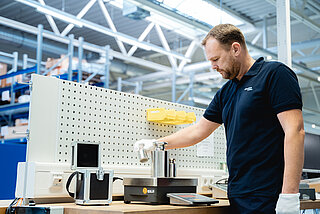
[87,155]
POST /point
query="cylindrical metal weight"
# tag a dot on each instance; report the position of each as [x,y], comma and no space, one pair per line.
[143,156]
[172,168]
[160,163]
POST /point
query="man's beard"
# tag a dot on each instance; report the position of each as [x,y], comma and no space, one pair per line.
[232,71]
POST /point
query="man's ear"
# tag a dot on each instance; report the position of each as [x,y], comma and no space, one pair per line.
[236,48]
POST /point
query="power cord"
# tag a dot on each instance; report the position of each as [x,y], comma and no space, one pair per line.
[117,178]
[222,182]
[14,202]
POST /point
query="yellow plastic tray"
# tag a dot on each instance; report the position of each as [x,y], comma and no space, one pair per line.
[171,116]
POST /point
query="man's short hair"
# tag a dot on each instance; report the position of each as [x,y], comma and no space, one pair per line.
[226,34]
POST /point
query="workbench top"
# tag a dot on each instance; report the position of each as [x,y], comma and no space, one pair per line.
[118,207]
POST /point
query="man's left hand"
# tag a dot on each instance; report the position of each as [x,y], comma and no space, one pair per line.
[288,204]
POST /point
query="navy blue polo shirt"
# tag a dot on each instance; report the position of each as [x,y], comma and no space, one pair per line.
[255,139]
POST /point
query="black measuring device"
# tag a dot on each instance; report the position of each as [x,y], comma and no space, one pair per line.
[190,199]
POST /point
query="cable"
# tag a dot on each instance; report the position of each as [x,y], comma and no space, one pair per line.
[117,178]
[14,202]
[19,202]
[223,181]
[69,182]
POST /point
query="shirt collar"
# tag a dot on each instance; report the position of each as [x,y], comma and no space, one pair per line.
[255,68]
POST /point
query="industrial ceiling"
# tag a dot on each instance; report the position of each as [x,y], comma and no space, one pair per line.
[173,48]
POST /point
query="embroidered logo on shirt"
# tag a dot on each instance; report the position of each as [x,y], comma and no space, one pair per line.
[248,89]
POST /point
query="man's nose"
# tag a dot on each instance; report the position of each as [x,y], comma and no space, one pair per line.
[215,67]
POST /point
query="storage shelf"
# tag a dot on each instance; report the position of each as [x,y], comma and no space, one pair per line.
[22,71]
[16,87]
[22,140]
[14,108]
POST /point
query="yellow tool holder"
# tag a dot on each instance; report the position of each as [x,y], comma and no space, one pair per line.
[171,116]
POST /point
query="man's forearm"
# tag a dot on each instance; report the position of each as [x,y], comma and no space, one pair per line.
[190,135]
[183,138]
[294,157]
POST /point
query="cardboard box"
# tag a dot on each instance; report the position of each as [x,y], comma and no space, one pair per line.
[315,185]
[7,82]
[24,98]
[3,71]
[218,192]
[4,130]
[21,122]
[22,130]
[5,96]
[62,68]
[51,62]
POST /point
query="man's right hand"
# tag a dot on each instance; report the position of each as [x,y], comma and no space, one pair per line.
[146,144]
[288,204]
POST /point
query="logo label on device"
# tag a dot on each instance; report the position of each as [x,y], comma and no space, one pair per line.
[147,191]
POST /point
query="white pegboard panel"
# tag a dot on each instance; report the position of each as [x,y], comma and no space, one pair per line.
[116,120]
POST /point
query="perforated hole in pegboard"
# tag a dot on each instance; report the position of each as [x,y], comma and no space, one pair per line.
[116,120]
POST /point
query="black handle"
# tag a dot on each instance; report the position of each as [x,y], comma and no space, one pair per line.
[68,184]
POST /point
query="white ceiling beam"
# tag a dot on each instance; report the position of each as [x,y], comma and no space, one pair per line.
[315,96]
[305,20]
[155,8]
[141,38]
[87,46]
[265,33]
[44,9]
[165,44]
[51,21]
[232,12]
[256,38]
[93,26]
[313,74]
[83,12]
[310,111]
[313,6]
[215,76]
[315,50]
[272,27]
[200,66]
[200,100]
[300,45]
[161,67]
[4,7]
[189,53]
[309,58]
[284,32]
[302,18]
[300,52]
[111,25]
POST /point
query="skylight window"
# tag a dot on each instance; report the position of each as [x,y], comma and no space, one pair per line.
[202,11]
